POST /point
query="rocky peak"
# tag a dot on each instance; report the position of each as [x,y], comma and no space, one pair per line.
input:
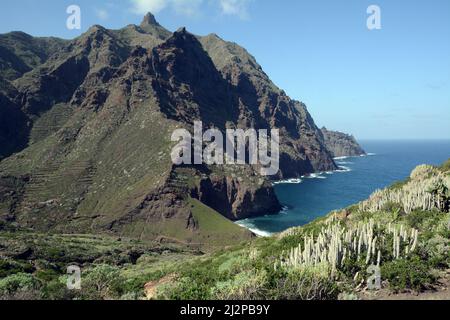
[183,39]
[94,35]
[149,20]
[95,32]
[181,30]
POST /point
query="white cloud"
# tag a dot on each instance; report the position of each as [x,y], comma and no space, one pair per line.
[235,7]
[102,14]
[191,7]
[141,7]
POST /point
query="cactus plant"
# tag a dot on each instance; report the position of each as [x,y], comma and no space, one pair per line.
[336,243]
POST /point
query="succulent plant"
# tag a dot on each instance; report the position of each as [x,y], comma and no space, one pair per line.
[336,243]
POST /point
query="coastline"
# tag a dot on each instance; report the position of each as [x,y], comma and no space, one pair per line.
[249,225]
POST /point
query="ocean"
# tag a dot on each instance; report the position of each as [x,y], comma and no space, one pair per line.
[358,177]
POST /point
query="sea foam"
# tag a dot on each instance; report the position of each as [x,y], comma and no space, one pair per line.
[289,181]
[250,226]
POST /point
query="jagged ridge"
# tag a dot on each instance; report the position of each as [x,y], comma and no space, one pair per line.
[104,162]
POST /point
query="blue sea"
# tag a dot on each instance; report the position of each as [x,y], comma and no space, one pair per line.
[358,177]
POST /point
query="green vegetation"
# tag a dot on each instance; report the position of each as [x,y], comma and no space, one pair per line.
[326,259]
[18,285]
[21,52]
[408,274]
[213,228]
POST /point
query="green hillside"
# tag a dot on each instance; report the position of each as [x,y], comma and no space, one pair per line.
[326,259]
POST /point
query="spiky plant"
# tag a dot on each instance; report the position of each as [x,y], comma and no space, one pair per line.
[336,243]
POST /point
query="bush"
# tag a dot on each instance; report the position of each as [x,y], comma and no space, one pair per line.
[395,208]
[47,275]
[134,286]
[10,267]
[183,289]
[411,274]
[307,284]
[56,289]
[103,282]
[446,166]
[424,220]
[438,250]
[19,286]
[247,285]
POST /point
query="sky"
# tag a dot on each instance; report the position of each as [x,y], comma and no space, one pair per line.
[388,83]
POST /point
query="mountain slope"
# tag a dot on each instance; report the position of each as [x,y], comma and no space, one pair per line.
[20,53]
[332,257]
[328,259]
[95,121]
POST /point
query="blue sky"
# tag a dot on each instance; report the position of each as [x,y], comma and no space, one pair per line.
[392,83]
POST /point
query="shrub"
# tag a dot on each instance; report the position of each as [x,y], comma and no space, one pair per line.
[10,267]
[438,250]
[102,282]
[305,284]
[446,166]
[410,273]
[19,286]
[246,285]
[184,289]
[135,285]
[46,275]
[56,289]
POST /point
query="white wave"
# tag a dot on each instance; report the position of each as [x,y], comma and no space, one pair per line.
[337,159]
[344,169]
[344,162]
[248,225]
[289,181]
[315,176]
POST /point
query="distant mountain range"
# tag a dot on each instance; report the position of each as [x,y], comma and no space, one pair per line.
[85,129]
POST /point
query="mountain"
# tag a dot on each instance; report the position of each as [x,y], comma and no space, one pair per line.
[21,53]
[401,232]
[85,135]
[341,144]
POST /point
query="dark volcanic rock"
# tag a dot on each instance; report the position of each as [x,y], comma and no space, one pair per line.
[228,197]
[14,127]
[341,144]
[149,20]
[92,126]
[21,53]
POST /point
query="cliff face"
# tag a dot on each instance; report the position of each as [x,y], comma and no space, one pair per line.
[341,145]
[92,128]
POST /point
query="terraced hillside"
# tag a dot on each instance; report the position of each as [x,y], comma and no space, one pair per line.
[334,257]
[86,135]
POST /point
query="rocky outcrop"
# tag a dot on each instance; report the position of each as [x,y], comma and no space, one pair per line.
[21,53]
[14,127]
[235,200]
[111,100]
[341,144]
